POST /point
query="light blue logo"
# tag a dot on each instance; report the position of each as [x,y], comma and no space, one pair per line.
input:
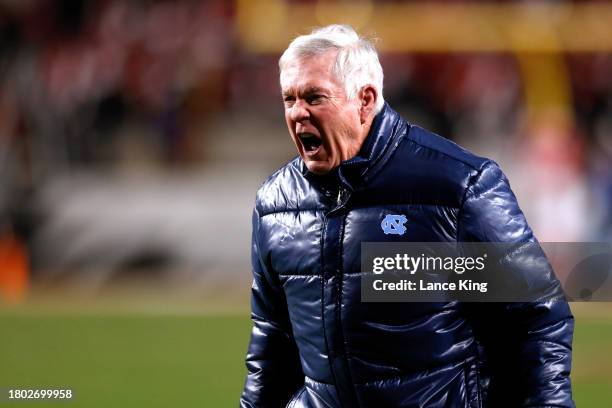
[394,224]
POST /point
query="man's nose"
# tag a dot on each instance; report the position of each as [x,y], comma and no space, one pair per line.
[299,112]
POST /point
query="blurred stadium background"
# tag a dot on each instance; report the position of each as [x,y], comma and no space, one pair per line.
[134,134]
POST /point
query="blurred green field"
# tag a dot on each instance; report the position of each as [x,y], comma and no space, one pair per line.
[189,360]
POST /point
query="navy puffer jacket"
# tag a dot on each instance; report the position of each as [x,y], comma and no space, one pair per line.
[315,344]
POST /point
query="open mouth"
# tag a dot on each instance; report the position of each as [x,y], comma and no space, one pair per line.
[310,142]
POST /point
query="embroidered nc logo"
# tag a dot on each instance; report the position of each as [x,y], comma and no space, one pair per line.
[394,224]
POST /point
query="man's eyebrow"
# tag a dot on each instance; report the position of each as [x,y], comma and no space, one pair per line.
[306,91]
[314,89]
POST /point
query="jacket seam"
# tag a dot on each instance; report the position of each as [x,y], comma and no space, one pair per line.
[458,364]
[316,381]
[478,387]
[473,394]
[339,306]
[552,343]
[471,183]
[296,397]
[292,210]
[467,384]
[448,155]
[301,275]
[323,322]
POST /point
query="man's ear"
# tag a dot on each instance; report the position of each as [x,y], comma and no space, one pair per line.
[367,97]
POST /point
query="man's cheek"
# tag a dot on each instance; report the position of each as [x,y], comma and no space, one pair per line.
[296,143]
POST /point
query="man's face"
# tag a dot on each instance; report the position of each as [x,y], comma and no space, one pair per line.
[326,127]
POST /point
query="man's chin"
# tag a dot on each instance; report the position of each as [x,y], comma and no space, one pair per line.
[319,168]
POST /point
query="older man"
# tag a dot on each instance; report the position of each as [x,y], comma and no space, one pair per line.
[314,342]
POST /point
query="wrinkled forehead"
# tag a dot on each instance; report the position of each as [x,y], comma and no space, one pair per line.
[308,71]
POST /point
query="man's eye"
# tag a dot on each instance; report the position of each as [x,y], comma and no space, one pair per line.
[313,99]
[288,100]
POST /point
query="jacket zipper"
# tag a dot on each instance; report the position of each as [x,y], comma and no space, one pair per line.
[341,199]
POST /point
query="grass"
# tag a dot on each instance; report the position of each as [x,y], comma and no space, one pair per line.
[592,361]
[112,359]
[127,361]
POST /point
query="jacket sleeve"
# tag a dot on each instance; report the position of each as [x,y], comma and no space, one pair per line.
[273,367]
[526,347]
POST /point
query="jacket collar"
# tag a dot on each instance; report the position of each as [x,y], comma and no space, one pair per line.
[352,173]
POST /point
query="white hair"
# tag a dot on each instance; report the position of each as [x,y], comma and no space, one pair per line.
[356,64]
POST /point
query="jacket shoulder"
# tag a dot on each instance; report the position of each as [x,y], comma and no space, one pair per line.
[430,169]
[285,190]
[441,146]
